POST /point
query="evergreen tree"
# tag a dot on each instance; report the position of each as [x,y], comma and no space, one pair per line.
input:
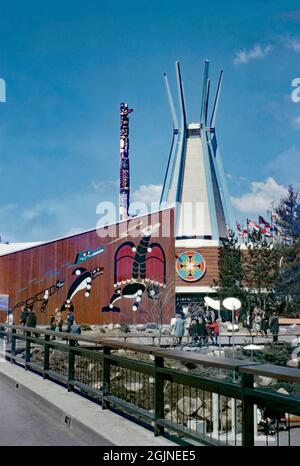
[231,270]
[288,214]
[260,264]
[288,219]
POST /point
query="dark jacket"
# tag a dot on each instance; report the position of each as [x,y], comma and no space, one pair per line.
[274,324]
[23,317]
[31,319]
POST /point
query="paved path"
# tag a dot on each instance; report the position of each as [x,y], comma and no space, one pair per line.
[22,423]
[89,423]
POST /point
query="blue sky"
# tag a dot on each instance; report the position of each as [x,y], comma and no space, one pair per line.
[68,65]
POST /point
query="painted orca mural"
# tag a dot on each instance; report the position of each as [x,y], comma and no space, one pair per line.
[83,281]
[138,269]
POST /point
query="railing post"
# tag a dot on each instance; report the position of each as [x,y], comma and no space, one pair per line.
[71,364]
[159,405]
[27,348]
[46,354]
[248,412]
[106,377]
[13,345]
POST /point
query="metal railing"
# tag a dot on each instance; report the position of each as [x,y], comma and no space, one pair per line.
[193,397]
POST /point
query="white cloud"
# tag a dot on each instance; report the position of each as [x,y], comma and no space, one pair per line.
[292,43]
[261,196]
[256,53]
[147,193]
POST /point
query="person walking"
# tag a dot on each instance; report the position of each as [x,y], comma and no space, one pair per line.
[257,324]
[216,330]
[31,320]
[210,331]
[179,329]
[202,332]
[70,320]
[75,329]
[9,321]
[58,320]
[249,323]
[193,331]
[52,323]
[264,324]
[274,326]
[23,317]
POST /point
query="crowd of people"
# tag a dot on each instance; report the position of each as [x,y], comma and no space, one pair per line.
[201,326]
[260,321]
[28,318]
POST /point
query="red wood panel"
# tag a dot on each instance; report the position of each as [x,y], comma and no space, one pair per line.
[26,275]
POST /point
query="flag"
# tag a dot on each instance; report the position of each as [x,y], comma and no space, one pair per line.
[266,230]
[251,224]
[262,221]
[243,232]
[239,227]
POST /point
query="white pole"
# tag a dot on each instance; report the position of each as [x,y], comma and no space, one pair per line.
[215,414]
[233,331]
[219,318]
[233,416]
[255,420]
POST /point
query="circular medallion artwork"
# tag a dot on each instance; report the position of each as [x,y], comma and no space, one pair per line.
[190,266]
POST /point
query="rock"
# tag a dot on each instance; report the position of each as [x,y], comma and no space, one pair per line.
[265,381]
[152,326]
[110,326]
[133,386]
[188,406]
[173,416]
[219,352]
[205,412]
[282,391]
[140,327]
[189,348]
[293,363]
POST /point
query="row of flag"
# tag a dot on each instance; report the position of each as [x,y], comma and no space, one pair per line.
[268,229]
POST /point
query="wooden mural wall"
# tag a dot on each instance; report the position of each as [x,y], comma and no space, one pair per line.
[120,273]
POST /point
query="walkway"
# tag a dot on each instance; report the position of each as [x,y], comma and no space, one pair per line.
[38,410]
